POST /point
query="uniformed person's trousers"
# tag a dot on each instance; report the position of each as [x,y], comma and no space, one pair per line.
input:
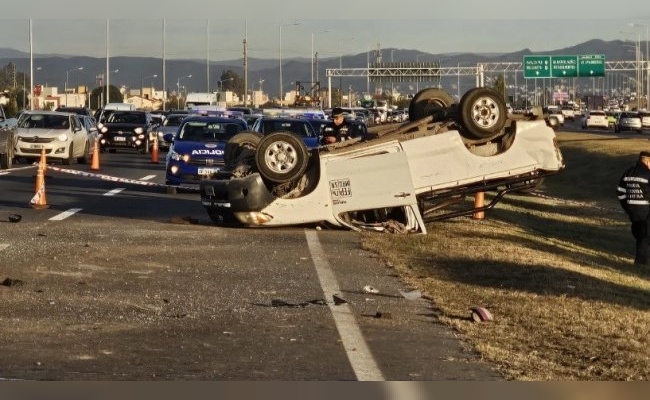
[640,233]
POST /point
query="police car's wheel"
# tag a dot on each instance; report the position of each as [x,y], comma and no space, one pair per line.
[238,144]
[482,112]
[281,157]
[430,101]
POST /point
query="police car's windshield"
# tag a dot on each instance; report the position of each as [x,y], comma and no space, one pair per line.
[205,132]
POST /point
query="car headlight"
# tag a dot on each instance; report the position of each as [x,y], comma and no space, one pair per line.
[138,130]
[62,137]
[140,136]
[178,157]
[104,129]
[100,125]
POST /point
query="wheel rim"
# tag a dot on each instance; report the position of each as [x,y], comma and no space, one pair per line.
[281,157]
[485,112]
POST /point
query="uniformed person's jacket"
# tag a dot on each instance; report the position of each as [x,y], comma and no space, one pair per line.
[634,192]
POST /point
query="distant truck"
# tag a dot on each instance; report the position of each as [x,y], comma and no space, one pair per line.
[7,139]
[595,102]
[203,99]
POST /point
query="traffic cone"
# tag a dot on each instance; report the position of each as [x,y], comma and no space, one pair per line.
[154,151]
[39,201]
[94,165]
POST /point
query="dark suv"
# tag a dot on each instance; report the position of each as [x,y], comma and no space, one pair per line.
[127,130]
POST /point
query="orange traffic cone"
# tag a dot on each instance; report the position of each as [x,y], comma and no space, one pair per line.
[39,201]
[154,151]
[94,165]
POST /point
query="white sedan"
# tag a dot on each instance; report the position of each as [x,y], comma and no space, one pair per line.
[62,135]
[595,119]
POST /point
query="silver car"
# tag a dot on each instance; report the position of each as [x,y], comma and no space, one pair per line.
[62,135]
[628,121]
[170,125]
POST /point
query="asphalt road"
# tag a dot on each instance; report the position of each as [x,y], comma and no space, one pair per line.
[117,280]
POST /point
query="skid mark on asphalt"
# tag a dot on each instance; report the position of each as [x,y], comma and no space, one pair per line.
[65,214]
[364,365]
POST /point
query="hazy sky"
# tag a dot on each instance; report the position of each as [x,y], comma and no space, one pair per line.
[216,28]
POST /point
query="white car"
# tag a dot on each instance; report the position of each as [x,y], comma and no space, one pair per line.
[645,118]
[61,134]
[395,182]
[595,119]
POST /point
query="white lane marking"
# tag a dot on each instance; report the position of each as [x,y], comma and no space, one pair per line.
[364,365]
[114,192]
[148,177]
[65,214]
[3,246]
[4,172]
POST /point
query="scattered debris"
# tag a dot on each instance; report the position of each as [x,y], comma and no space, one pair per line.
[15,218]
[385,315]
[12,282]
[370,289]
[411,295]
[286,304]
[480,314]
[338,300]
[184,220]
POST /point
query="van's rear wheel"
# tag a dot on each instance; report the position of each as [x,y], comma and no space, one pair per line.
[482,112]
[430,101]
[281,157]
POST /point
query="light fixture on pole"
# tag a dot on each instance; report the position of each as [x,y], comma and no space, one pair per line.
[67,72]
[220,83]
[312,54]
[340,68]
[280,55]
[178,90]
[142,81]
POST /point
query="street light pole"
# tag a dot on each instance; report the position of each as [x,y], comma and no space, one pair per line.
[280,55]
[67,72]
[646,62]
[312,55]
[178,90]
[142,82]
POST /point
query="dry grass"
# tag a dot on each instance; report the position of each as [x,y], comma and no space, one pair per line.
[555,271]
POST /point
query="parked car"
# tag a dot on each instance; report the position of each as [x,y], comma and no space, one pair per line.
[76,110]
[127,130]
[569,113]
[62,136]
[296,125]
[197,150]
[611,118]
[628,121]
[555,113]
[595,119]
[645,118]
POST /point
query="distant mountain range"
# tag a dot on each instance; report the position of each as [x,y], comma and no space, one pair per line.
[137,71]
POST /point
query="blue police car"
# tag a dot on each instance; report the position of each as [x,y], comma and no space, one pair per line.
[197,149]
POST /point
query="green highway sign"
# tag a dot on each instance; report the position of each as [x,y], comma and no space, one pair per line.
[591,65]
[537,66]
[564,66]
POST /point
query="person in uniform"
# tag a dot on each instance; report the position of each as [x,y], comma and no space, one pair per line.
[634,195]
[339,130]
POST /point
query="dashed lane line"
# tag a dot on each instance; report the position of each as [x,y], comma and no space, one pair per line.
[114,192]
[364,365]
[65,214]
[147,178]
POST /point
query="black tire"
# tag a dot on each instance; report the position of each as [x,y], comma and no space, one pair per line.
[238,144]
[483,112]
[68,160]
[281,157]
[85,158]
[222,217]
[171,189]
[430,101]
[5,161]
